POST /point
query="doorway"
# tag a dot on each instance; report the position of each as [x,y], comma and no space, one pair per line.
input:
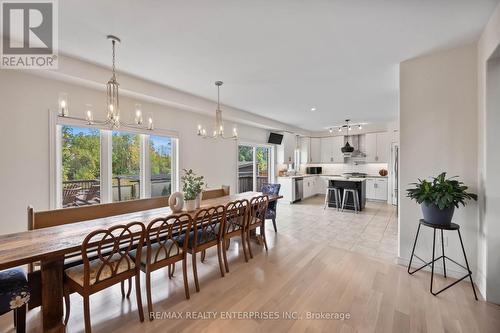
[254,167]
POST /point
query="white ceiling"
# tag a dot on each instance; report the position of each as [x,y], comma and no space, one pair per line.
[277,58]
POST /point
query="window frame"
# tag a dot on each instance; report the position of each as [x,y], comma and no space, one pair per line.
[106,149]
[272,160]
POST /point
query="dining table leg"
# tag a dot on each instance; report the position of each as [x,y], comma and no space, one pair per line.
[52,294]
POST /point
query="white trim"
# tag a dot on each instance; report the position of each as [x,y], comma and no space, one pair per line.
[55,191]
[106,149]
[144,168]
[174,168]
[254,169]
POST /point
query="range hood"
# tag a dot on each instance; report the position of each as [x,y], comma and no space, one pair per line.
[354,146]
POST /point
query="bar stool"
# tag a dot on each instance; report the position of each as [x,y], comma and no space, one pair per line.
[336,193]
[452,226]
[355,198]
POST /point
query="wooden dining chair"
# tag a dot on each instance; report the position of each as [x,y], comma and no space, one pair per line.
[257,219]
[235,224]
[164,248]
[113,264]
[206,232]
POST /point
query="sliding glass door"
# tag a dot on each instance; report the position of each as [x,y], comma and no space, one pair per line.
[254,167]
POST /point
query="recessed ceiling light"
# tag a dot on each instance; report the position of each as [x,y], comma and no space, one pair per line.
[313,109]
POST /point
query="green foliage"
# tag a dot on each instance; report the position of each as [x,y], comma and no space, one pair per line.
[126,154]
[246,153]
[192,185]
[80,154]
[441,191]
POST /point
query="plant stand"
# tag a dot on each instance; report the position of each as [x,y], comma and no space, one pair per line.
[452,226]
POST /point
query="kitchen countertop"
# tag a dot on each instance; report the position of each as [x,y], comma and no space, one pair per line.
[350,179]
[340,177]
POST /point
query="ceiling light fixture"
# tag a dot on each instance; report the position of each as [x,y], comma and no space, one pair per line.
[218,131]
[112,103]
[313,109]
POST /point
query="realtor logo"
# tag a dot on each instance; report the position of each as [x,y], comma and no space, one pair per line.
[29,34]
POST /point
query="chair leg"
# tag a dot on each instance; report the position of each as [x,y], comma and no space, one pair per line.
[344,200]
[249,244]
[195,272]
[86,314]
[138,295]
[263,235]
[129,287]
[148,295]
[228,242]
[244,244]
[219,256]
[202,256]
[326,198]
[67,305]
[226,265]
[274,225]
[20,322]
[15,317]
[184,274]
[171,270]
[122,286]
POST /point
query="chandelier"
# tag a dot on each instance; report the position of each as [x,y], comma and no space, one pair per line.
[347,126]
[218,131]
[112,103]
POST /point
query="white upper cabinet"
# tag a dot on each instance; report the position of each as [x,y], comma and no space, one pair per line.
[338,143]
[315,150]
[286,151]
[377,147]
[305,148]
[327,150]
[383,147]
[330,149]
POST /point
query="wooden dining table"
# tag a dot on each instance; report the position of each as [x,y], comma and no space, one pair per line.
[50,246]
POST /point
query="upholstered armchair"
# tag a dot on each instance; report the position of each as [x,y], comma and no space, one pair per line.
[14,296]
[271,189]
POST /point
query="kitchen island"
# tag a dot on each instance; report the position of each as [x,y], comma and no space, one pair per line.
[348,183]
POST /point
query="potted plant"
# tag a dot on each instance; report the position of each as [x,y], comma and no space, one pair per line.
[439,197]
[192,185]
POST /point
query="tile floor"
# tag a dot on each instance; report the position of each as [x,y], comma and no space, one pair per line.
[372,232]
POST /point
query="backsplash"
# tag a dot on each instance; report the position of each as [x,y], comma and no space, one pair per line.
[340,168]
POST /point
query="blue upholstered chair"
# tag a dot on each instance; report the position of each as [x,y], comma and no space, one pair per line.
[14,296]
[272,189]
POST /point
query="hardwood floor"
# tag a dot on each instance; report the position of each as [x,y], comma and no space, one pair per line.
[319,261]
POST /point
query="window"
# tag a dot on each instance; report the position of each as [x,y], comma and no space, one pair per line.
[160,156]
[96,165]
[254,167]
[80,166]
[126,166]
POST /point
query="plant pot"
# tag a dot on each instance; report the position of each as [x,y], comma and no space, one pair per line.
[190,205]
[198,201]
[434,215]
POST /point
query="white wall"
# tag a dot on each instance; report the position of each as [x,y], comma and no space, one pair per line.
[438,132]
[489,159]
[24,140]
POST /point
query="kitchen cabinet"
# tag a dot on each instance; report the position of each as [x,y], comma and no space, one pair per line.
[315,150]
[376,189]
[305,148]
[330,149]
[285,153]
[321,184]
[377,147]
[310,186]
